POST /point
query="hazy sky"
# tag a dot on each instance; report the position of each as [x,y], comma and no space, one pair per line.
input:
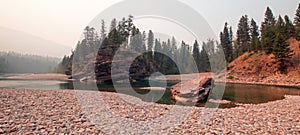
[62,21]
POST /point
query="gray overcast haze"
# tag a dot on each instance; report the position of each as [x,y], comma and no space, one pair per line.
[62,22]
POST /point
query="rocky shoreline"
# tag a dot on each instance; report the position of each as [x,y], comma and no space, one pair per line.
[58,111]
[47,76]
[281,81]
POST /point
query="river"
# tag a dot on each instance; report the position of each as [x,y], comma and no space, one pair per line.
[237,93]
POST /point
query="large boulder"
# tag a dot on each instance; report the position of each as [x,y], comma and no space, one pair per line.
[194,95]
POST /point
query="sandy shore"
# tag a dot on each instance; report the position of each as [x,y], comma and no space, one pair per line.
[48,76]
[59,111]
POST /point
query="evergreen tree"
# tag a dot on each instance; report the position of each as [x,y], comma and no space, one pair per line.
[297,15]
[204,60]
[175,51]
[210,47]
[157,49]
[173,47]
[136,42]
[269,17]
[164,47]
[268,31]
[4,65]
[226,43]
[172,67]
[282,51]
[196,54]
[169,50]
[243,37]
[150,43]
[103,30]
[113,24]
[183,54]
[289,27]
[163,58]
[144,38]
[255,43]
[297,23]
[230,34]
[114,38]
[130,24]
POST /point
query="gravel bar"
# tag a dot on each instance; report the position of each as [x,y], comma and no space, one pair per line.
[24,111]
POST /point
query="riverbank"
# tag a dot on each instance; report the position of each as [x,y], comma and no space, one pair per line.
[279,81]
[58,111]
[46,76]
[260,68]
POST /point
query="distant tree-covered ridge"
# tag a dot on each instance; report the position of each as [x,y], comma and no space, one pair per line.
[12,62]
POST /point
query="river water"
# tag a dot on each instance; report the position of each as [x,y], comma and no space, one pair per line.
[238,93]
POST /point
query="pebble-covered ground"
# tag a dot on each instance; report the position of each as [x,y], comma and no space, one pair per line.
[60,112]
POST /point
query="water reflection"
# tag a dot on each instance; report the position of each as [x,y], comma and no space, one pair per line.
[256,93]
[233,92]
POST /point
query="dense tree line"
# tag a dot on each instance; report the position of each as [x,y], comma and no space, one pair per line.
[272,37]
[176,55]
[65,66]
[11,62]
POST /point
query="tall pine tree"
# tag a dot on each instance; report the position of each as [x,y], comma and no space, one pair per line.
[255,43]
[243,37]
[196,54]
[281,49]
[150,43]
[268,31]
[297,23]
[113,24]
[157,49]
[204,64]
[226,43]
[102,30]
[289,27]
[175,52]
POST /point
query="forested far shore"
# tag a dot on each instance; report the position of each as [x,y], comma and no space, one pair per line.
[98,46]
[12,62]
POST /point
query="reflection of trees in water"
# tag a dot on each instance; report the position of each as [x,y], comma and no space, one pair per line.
[255,93]
[234,92]
[68,85]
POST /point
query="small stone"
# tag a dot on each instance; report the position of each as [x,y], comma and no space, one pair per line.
[1,131]
[80,130]
[28,133]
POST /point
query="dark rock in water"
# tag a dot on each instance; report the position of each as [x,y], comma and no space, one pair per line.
[139,67]
[68,71]
[205,86]
[197,95]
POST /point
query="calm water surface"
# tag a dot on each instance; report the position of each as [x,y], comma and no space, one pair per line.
[233,92]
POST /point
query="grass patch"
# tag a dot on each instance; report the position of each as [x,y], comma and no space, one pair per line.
[231,77]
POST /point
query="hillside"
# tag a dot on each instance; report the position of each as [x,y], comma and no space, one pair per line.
[260,68]
[18,41]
